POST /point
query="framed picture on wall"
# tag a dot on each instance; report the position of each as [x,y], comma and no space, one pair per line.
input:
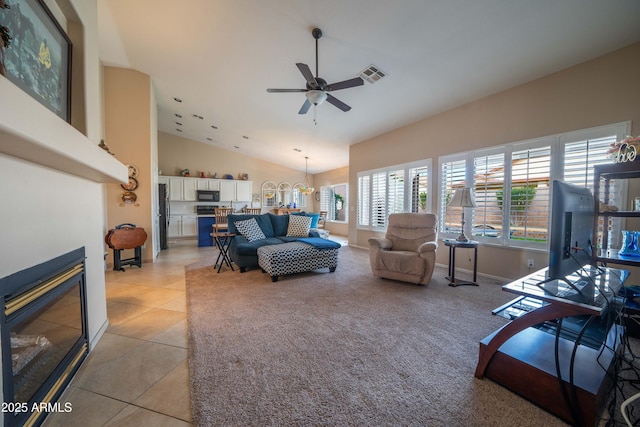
[38,58]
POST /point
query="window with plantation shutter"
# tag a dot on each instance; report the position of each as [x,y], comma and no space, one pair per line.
[333,200]
[419,180]
[512,185]
[396,189]
[579,159]
[395,192]
[326,198]
[487,219]
[364,200]
[529,194]
[379,199]
[453,175]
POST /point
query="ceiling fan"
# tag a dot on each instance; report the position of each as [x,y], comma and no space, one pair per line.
[317,90]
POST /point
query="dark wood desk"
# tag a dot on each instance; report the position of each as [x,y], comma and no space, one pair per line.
[453,244]
[522,357]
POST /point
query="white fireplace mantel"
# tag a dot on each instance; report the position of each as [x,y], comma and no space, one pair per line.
[29,131]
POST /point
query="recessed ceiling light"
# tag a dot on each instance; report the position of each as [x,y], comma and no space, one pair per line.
[198,117]
[179,130]
[209,139]
[179,124]
[235,146]
[298,150]
[214,126]
[245,136]
[178,115]
[177,99]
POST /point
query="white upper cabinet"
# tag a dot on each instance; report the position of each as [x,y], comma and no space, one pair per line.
[183,189]
[244,191]
[227,190]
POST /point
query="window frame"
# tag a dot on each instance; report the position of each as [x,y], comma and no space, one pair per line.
[326,204]
[366,206]
[557,145]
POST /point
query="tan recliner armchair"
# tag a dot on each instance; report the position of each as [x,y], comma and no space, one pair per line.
[408,251]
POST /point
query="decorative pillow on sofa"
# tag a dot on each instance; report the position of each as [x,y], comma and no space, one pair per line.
[298,226]
[314,217]
[250,229]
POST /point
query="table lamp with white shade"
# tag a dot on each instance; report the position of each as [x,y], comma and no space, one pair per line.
[463,198]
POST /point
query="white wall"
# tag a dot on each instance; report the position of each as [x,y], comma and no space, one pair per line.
[46,212]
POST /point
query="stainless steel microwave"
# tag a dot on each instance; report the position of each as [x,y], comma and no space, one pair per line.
[208,195]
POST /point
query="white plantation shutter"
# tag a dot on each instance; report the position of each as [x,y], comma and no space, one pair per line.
[512,184]
[579,159]
[419,189]
[452,177]
[326,201]
[395,193]
[529,195]
[364,200]
[379,199]
[489,189]
[396,189]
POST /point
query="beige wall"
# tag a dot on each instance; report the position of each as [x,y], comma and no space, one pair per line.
[602,91]
[128,134]
[175,154]
[333,177]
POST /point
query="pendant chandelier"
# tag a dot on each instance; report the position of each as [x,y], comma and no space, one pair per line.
[306,190]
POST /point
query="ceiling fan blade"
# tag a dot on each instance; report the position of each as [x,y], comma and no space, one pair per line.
[285,90]
[305,107]
[335,101]
[308,75]
[357,81]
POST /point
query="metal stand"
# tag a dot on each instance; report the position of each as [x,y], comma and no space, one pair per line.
[118,264]
[453,244]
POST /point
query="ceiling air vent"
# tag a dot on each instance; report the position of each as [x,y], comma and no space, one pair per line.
[372,73]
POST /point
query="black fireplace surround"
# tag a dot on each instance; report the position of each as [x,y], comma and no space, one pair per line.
[44,336]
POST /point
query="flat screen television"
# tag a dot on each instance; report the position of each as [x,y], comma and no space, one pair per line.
[571,231]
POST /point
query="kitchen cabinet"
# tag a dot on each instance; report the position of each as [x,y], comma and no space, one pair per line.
[183,189]
[207,184]
[227,190]
[189,225]
[182,226]
[175,222]
[205,227]
[244,190]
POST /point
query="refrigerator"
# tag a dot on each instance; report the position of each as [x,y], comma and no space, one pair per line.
[163,212]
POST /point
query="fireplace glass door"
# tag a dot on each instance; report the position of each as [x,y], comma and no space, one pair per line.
[43,327]
[41,340]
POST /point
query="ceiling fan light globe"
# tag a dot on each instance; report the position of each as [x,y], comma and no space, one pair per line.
[316,97]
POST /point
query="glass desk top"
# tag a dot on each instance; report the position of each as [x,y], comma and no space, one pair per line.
[592,288]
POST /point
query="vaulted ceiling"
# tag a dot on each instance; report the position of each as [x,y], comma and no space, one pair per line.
[218,57]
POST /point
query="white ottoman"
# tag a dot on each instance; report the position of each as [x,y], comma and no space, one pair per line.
[295,257]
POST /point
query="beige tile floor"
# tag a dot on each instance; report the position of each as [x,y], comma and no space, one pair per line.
[138,373]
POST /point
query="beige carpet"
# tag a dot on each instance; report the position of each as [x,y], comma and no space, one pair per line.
[344,348]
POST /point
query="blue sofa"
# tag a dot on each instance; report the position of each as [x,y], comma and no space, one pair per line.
[245,253]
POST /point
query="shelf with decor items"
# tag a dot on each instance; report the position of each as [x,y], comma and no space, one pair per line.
[604,176]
